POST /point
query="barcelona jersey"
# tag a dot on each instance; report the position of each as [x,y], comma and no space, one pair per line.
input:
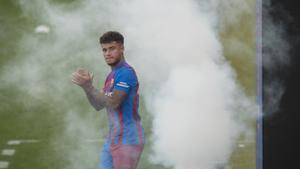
[124,123]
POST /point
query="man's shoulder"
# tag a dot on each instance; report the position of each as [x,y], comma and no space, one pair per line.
[126,70]
[125,76]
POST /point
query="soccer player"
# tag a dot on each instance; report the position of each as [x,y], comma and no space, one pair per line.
[125,140]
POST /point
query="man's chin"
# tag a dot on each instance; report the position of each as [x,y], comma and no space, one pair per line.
[112,63]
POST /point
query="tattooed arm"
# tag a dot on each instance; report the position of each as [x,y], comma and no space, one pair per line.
[98,99]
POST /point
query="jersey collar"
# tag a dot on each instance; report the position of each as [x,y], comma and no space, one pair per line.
[120,64]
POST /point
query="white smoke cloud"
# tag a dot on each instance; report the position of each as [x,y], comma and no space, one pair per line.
[189,88]
[194,125]
[198,107]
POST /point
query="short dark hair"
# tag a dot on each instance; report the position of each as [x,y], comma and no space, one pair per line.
[111,36]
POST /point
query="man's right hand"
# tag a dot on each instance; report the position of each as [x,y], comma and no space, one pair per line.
[83,78]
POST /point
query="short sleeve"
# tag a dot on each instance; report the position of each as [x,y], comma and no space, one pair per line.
[125,79]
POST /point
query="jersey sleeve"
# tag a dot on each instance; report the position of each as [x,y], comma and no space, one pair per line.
[125,80]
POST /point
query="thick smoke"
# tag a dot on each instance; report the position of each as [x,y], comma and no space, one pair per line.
[189,87]
[199,109]
[44,72]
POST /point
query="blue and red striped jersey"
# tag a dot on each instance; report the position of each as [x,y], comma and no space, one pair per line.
[125,123]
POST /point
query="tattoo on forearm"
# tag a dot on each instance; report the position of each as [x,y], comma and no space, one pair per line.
[100,99]
[95,98]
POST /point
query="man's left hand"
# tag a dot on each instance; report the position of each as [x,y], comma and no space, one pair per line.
[82,78]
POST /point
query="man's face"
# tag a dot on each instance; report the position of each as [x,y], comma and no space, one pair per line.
[113,52]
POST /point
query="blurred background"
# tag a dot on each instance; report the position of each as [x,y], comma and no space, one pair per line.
[47,122]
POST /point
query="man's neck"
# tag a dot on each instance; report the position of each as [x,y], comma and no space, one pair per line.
[113,67]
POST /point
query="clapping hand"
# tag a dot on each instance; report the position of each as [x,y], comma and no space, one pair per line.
[82,78]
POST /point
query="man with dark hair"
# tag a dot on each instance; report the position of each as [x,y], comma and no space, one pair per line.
[125,141]
[111,36]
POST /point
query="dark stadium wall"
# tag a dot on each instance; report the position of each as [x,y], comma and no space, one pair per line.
[281,128]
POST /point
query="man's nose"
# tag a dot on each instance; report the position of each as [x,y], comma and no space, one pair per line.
[107,53]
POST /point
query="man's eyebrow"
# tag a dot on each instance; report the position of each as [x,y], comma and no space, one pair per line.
[110,47]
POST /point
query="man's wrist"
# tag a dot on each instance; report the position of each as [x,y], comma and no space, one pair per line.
[88,87]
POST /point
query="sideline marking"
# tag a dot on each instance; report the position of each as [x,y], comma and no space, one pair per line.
[14,142]
[8,152]
[17,142]
[94,140]
[241,145]
[4,164]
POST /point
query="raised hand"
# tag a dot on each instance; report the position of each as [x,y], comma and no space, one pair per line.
[82,78]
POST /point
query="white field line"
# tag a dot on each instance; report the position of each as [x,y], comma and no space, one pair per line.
[8,152]
[17,142]
[241,145]
[94,140]
[4,164]
[14,142]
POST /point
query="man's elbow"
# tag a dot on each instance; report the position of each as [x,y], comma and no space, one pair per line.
[98,107]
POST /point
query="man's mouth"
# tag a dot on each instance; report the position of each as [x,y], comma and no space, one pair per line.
[109,59]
